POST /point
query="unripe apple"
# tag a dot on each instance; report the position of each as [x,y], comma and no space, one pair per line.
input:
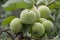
[41,20]
[38,15]
[16,25]
[49,26]
[27,16]
[37,30]
[45,11]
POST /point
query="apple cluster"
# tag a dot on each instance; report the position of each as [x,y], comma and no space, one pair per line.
[37,17]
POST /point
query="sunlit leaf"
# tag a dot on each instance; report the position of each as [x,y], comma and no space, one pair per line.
[15,4]
[52,6]
[7,20]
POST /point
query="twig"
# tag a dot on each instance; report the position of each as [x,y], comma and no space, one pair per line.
[6,30]
[51,2]
[3,30]
[10,35]
[19,36]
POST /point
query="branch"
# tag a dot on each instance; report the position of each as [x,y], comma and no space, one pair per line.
[6,30]
[51,2]
[19,36]
[3,30]
[10,35]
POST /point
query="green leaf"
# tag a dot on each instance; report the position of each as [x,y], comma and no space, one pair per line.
[53,6]
[50,18]
[47,1]
[57,0]
[58,3]
[59,15]
[56,38]
[40,2]
[59,20]
[7,20]
[15,4]
[25,28]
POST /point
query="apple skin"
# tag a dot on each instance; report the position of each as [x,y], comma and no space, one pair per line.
[14,4]
[49,26]
[16,25]
[41,20]
[38,15]
[37,30]
[45,11]
[27,16]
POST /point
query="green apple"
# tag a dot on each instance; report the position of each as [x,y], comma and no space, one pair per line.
[49,26]
[37,30]
[41,20]
[14,4]
[27,16]
[16,25]
[38,15]
[45,11]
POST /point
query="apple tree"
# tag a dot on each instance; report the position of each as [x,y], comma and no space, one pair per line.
[37,19]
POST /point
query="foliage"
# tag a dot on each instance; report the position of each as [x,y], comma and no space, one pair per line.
[54,6]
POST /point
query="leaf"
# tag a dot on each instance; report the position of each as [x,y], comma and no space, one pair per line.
[59,21]
[15,4]
[7,20]
[25,28]
[56,38]
[47,1]
[58,3]
[40,2]
[50,18]
[59,17]
[55,5]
